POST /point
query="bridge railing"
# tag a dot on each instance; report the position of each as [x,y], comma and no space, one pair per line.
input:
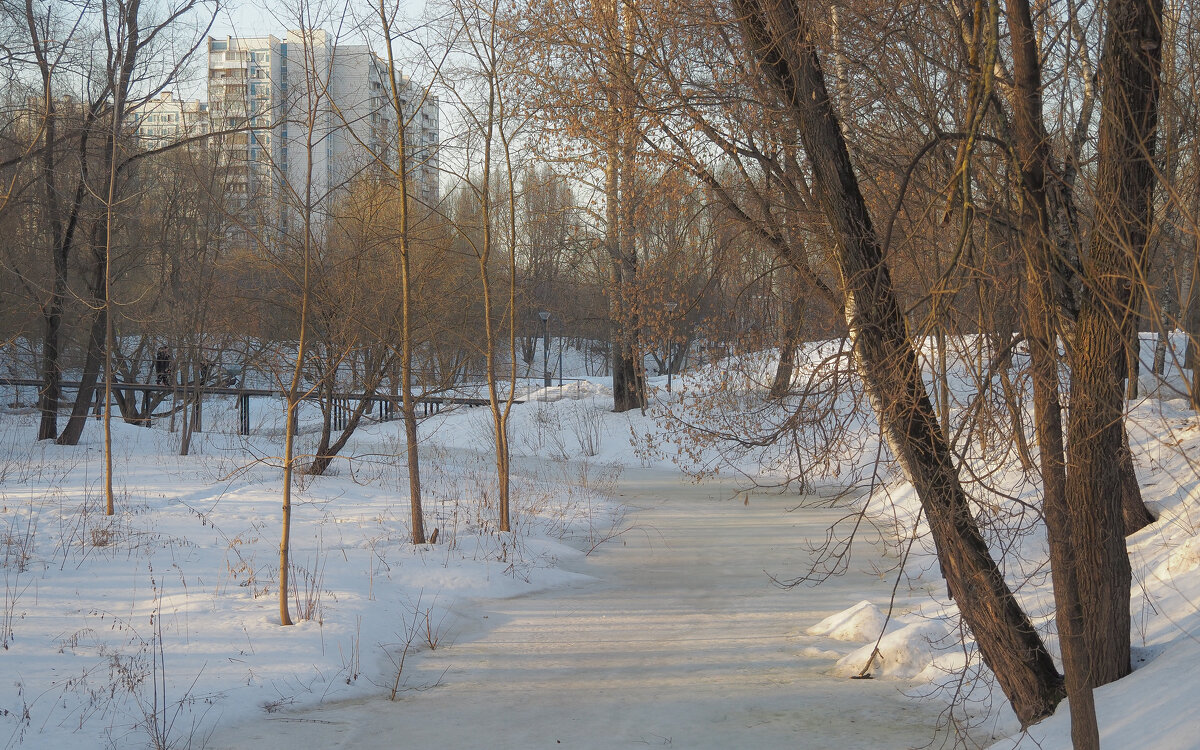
[387,403]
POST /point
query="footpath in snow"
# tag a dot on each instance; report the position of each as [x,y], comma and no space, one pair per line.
[682,639]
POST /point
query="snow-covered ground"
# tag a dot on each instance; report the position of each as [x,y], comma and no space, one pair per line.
[678,637]
[161,621]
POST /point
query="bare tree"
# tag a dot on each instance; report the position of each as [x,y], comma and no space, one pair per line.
[1041,332]
[1116,265]
[405,106]
[481,32]
[779,36]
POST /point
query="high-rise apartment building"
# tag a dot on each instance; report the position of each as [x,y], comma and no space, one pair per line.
[301,95]
[163,119]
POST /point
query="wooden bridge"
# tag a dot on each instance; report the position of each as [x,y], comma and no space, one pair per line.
[387,403]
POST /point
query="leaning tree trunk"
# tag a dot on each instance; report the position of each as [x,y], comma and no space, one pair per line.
[85,395]
[781,41]
[1116,261]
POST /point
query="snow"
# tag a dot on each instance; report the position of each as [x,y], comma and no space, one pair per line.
[631,606]
[678,639]
[857,623]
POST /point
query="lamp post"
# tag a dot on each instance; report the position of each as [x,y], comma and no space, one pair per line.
[670,344]
[545,316]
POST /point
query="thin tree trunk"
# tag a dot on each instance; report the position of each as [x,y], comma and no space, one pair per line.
[408,407]
[123,63]
[629,387]
[624,371]
[789,339]
[1133,361]
[1167,310]
[943,377]
[1191,327]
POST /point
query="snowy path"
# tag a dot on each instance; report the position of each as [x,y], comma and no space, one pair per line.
[682,641]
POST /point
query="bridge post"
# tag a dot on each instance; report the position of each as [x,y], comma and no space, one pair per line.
[198,412]
[244,414]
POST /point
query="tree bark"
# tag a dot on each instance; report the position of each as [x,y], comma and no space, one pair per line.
[63,221]
[408,406]
[628,392]
[73,430]
[328,448]
[1135,514]
[789,339]
[1191,327]
[780,39]
[1115,262]
[629,382]
[1041,333]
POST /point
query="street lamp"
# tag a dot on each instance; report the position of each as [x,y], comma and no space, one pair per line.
[670,344]
[545,316]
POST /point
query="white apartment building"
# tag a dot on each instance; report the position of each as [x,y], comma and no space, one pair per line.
[163,119]
[302,96]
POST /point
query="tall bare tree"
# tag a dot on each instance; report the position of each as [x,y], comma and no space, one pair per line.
[780,36]
[1113,269]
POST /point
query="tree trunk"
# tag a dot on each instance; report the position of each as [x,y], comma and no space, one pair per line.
[408,407]
[1134,512]
[789,339]
[1191,327]
[1041,332]
[73,430]
[629,384]
[628,392]
[84,397]
[779,37]
[1168,309]
[51,391]
[1116,261]
[327,448]
[321,457]
[1133,361]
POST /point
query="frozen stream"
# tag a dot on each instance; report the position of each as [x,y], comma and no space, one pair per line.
[682,641]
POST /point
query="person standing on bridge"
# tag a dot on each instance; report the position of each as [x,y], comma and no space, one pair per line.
[162,365]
